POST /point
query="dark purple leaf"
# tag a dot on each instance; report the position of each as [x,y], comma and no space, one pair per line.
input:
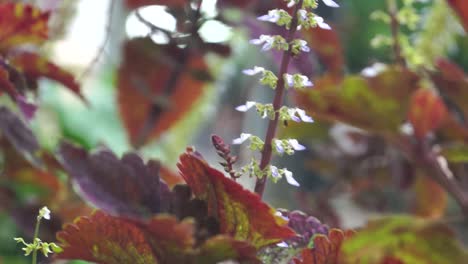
[125,186]
[19,135]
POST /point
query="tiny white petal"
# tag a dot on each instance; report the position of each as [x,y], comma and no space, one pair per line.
[282,245]
[256,41]
[321,23]
[45,213]
[291,3]
[295,145]
[253,71]
[272,16]
[304,46]
[292,114]
[246,106]
[289,178]
[243,137]
[274,172]
[265,113]
[304,117]
[289,80]
[330,3]
[279,146]
[302,14]
[306,82]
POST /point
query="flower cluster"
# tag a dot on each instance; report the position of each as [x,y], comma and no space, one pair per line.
[37,244]
[302,17]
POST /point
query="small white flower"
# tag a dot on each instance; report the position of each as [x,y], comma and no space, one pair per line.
[304,117]
[246,106]
[302,14]
[289,178]
[288,78]
[321,23]
[292,114]
[279,146]
[373,70]
[295,145]
[291,3]
[273,16]
[254,71]
[266,40]
[282,245]
[330,3]
[303,46]
[305,82]
[44,213]
[243,137]
[275,172]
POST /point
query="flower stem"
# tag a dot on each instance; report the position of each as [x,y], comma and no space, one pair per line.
[277,103]
[395,29]
[36,234]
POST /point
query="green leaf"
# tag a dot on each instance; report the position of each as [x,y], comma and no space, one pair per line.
[404,239]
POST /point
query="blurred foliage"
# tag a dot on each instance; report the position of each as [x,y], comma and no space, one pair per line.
[390,137]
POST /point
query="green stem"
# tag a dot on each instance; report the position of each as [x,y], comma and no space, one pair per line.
[277,102]
[36,235]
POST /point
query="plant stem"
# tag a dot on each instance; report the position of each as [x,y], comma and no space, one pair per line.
[395,28]
[422,155]
[36,234]
[277,103]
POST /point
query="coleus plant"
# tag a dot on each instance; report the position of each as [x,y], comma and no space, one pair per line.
[145,214]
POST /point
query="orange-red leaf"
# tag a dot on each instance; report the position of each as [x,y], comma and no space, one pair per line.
[461,7]
[21,24]
[240,212]
[35,66]
[326,249]
[157,85]
[106,239]
[427,112]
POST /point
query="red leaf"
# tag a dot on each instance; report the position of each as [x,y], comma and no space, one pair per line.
[112,240]
[326,249]
[427,112]
[21,24]
[144,76]
[105,239]
[35,66]
[461,7]
[240,212]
